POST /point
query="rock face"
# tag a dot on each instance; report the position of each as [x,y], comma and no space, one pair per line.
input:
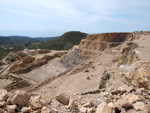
[19,97]
[92,46]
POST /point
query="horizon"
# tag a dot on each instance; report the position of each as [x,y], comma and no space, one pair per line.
[47,18]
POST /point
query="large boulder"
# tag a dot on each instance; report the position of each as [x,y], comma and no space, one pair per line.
[62,99]
[126,101]
[19,97]
[104,108]
[11,108]
[140,106]
[3,95]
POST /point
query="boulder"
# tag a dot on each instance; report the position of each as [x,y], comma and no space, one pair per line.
[26,109]
[35,105]
[139,74]
[83,110]
[4,103]
[140,106]
[126,101]
[91,110]
[19,97]
[62,99]
[72,104]
[104,108]
[35,98]
[88,104]
[11,108]
[3,95]
[37,111]
[45,110]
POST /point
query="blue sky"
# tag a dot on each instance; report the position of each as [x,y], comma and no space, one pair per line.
[54,17]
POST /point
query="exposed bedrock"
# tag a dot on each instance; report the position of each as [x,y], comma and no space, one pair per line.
[92,46]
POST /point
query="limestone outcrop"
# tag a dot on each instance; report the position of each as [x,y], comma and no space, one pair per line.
[92,46]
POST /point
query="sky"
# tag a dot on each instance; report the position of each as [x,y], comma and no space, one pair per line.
[45,18]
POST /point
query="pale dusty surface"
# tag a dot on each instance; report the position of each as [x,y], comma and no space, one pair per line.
[54,67]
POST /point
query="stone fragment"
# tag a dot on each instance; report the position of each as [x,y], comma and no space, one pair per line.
[140,106]
[26,109]
[35,98]
[72,104]
[37,111]
[35,105]
[62,99]
[91,110]
[54,110]
[88,104]
[83,110]
[3,95]
[11,108]
[19,97]
[104,108]
[45,110]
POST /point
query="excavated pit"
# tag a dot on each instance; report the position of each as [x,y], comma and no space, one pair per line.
[92,46]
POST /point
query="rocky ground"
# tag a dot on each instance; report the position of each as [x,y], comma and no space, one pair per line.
[106,73]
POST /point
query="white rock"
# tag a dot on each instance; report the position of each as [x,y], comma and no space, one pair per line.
[26,109]
[11,108]
[72,104]
[62,99]
[37,111]
[104,108]
[19,97]
[91,110]
[35,98]
[83,110]
[3,95]
[111,105]
[45,110]
[35,105]
[88,104]
[140,106]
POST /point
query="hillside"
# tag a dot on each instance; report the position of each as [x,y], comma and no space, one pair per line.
[9,40]
[64,42]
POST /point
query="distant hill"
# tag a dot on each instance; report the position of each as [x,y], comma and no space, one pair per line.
[64,42]
[7,40]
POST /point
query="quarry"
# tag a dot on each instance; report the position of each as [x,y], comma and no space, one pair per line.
[105,73]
